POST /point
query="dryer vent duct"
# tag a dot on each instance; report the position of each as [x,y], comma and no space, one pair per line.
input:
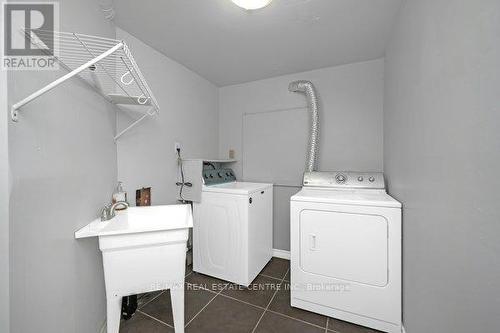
[108,9]
[307,88]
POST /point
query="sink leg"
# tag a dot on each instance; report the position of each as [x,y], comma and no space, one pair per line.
[177,296]
[114,309]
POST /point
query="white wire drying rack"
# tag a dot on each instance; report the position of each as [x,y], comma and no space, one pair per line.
[105,64]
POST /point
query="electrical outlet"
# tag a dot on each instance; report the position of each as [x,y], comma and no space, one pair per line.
[177,146]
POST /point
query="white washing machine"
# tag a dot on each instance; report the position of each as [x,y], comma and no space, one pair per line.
[233,227]
[346,249]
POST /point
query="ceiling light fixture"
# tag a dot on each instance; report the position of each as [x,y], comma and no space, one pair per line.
[252,4]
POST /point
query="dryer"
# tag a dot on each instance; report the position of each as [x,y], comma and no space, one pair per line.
[346,249]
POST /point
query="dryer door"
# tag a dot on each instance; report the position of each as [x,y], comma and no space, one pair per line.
[346,246]
[346,262]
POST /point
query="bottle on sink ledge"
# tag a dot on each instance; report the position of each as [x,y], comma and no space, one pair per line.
[119,195]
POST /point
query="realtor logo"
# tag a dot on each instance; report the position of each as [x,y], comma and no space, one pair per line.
[28,29]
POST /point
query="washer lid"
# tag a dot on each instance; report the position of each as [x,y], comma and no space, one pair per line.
[376,198]
[242,188]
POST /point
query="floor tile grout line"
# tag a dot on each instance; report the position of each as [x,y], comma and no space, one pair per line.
[244,302]
[271,277]
[152,299]
[247,303]
[268,304]
[203,308]
[296,319]
[163,291]
[276,291]
[154,318]
[262,315]
[275,312]
[266,309]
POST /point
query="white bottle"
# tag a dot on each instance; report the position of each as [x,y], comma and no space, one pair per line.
[119,195]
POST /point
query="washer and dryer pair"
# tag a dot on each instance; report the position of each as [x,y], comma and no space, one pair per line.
[346,249]
[345,242]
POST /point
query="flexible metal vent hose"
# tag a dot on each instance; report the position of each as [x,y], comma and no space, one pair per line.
[307,88]
[108,9]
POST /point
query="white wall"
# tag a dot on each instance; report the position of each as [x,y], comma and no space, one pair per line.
[63,164]
[189,115]
[4,205]
[442,145]
[351,98]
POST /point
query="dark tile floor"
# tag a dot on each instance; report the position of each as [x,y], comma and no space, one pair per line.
[213,305]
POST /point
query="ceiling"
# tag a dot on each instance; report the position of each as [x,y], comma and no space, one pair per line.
[228,45]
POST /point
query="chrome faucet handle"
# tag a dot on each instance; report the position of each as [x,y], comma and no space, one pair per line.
[105,213]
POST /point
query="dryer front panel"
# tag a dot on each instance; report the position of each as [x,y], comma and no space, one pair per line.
[346,246]
[346,262]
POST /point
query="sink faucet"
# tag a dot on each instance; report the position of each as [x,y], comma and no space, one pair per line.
[116,204]
[108,212]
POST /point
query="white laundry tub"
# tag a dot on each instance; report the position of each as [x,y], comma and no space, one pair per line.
[143,250]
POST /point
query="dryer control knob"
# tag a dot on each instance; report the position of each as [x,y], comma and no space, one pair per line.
[340,178]
[371,179]
[360,178]
[219,174]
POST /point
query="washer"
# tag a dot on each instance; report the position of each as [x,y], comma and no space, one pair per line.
[346,249]
[233,227]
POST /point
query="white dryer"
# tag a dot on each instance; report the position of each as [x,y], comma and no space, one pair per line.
[233,227]
[346,249]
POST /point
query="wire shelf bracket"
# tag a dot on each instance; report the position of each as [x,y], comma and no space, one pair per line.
[106,65]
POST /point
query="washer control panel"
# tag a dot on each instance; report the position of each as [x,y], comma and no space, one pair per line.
[344,179]
[213,176]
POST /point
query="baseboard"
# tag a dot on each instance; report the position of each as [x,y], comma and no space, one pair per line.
[283,254]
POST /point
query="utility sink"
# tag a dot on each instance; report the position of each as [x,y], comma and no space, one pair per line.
[143,249]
